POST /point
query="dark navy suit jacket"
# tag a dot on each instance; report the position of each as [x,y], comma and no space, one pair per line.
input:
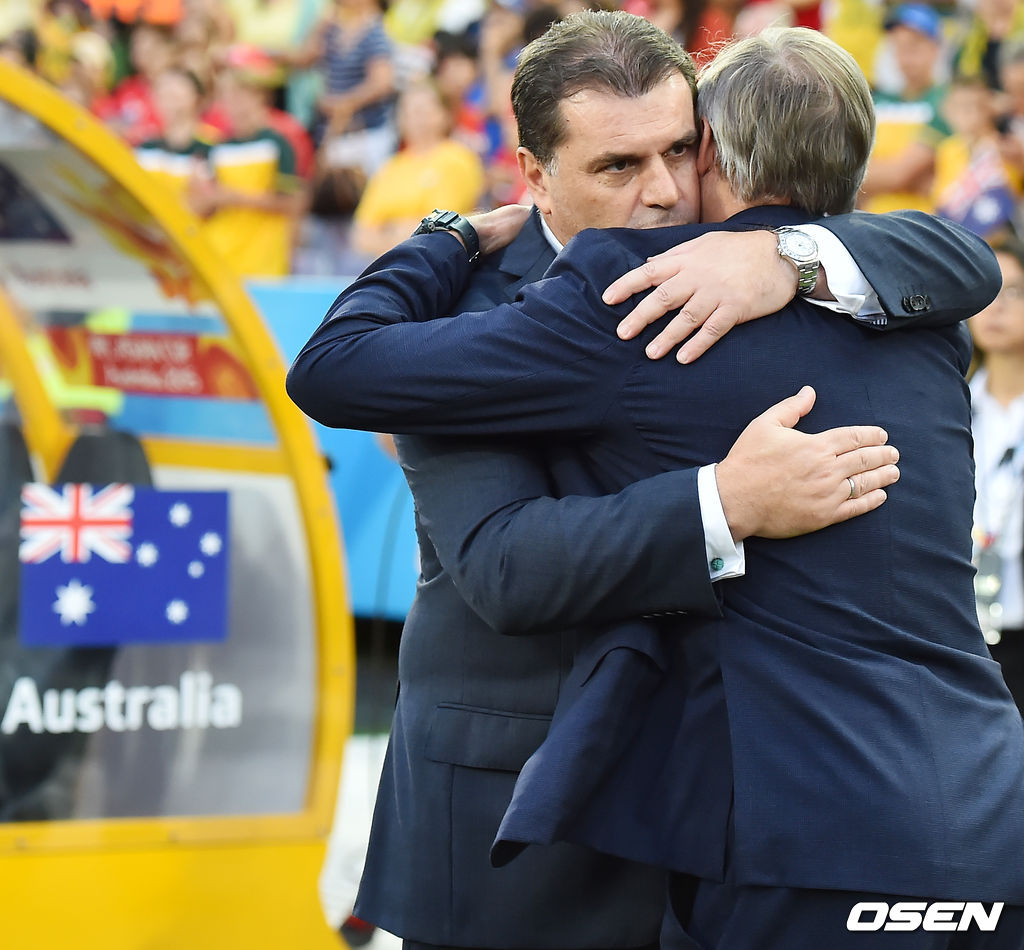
[343,359]
[473,705]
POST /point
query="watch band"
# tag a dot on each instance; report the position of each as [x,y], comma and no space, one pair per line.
[452,221]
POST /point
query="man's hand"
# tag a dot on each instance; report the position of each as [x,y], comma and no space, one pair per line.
[496,229]
[719,279]
[778,483]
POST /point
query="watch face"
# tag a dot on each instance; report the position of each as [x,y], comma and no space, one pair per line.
[798,245]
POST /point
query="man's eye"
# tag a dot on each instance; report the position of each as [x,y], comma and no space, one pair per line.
[620,166]
[677,150]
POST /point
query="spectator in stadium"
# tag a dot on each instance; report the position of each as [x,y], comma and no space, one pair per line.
[263,69]
[432,170]
[997,400]
[131,111]
[1011,122]
[992,23]
[974,186]
[502,36]
[178,157]
[354,55]
[91,72]
[696,25]
[457,74]
[910,124]
[272,25]
[203,33]
[20,48]
[755,18]
[280,27]
[856,25]
[353,128]
[252,195]
[55,26]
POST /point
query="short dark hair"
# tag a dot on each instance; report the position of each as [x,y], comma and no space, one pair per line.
[614,52]
[453,44]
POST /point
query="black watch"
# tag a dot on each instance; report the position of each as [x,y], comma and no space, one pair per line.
[452,221]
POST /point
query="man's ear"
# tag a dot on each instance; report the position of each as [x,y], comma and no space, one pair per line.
[707,154]
[536,179]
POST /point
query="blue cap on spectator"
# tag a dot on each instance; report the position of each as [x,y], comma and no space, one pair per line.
[916,16]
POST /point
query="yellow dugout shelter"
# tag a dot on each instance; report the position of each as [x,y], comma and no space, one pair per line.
[169,784]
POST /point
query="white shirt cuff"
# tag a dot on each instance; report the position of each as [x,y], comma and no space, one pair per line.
[854,295]
[725,558]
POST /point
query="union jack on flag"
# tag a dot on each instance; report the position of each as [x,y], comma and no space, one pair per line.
[76,522]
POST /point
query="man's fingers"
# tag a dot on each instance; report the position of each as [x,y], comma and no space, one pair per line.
[669,296]
[849,438]
[717,325]
[866,459]
[697,313]
[867,482]
[649,274]
[791,410]
[860,506]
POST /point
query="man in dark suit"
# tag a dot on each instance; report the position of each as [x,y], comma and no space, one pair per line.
[839,732]
[464,731]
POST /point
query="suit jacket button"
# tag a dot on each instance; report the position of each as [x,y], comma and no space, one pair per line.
[917,303]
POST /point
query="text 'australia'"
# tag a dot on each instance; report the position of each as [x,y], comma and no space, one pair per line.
[195,703]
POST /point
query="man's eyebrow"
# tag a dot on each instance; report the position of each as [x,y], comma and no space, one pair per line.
[691,138]
[611,158]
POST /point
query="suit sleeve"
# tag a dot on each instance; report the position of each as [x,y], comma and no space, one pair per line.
[928,272]
[530,563]
[549,364]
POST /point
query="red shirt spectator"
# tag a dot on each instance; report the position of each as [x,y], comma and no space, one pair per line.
[130,110]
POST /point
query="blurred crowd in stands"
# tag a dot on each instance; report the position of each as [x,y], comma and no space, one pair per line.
[311,135]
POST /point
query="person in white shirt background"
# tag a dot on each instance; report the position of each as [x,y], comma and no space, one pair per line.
[997,395]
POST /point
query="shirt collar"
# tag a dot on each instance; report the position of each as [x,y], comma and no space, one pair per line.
[549,235]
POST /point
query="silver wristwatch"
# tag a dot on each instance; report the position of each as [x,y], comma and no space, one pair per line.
[801,251]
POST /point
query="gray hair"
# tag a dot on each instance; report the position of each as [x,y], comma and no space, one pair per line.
[614,52]
[792,118]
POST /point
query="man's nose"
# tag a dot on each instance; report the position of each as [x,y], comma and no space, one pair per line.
[660,188]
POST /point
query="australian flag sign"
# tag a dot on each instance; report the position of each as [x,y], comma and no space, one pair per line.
[115,564]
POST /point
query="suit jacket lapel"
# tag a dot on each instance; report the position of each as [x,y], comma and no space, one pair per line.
[527,257]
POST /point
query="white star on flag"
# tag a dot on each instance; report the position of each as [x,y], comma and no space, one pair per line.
[177,611]
[74,603]
[180,514]
[210,543]
[147,554]
[196,569]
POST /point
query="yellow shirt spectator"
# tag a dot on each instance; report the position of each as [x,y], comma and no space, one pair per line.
[432,171]
[856,25]
[173,167]
[256,242]
[411,185]
[900,126]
